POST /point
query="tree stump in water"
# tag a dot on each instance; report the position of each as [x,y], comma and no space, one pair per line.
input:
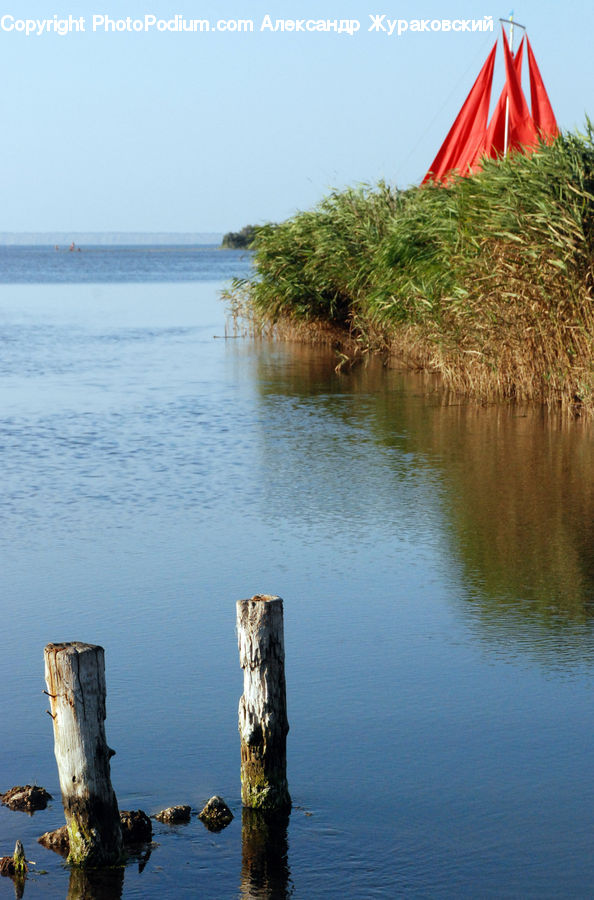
[16,865]
[75,678]
[263,723]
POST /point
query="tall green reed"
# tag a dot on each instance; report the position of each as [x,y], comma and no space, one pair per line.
[492,276]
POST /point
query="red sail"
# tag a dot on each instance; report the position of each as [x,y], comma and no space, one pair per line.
[542,111]
[521,130]
[466,134]
[469,138]
[493,144]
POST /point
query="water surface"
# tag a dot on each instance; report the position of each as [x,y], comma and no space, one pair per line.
[436,561]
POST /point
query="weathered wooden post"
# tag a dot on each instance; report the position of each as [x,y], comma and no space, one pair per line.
[75,678]
[263,723]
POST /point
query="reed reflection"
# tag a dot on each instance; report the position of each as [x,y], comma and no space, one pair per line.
[511,489]
[19,885]
[265,872]
[518,500]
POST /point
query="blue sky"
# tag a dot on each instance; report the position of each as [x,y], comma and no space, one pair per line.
[207,132]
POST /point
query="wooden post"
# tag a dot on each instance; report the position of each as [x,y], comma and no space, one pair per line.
[263,723]
[75,678]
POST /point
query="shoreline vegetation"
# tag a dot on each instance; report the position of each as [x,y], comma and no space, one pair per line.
[239,240]
[488,281]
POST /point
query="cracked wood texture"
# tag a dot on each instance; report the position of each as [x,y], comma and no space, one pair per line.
[75,678]
[263,723]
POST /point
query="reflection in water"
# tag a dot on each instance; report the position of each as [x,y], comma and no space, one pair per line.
[148,480]
[520,499]
[264,850]
[19,885]
[511,489]
[140,853]
[518,506]
[96,884]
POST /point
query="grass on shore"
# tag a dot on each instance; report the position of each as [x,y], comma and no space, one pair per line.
[488,281]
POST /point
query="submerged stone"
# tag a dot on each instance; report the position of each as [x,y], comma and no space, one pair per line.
[57,840]
[136,826]
[27,797]
[174,815]
[216,815]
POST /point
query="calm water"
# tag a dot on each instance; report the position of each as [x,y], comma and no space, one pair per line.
[32,265]
[437,566]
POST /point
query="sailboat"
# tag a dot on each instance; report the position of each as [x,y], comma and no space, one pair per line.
[513,125]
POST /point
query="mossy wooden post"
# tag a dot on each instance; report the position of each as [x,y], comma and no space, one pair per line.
[75,678]
[263,724]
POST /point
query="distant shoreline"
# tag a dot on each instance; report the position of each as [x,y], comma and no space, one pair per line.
[122,248]
[108,239]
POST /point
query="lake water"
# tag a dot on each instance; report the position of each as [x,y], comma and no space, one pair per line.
[436,560]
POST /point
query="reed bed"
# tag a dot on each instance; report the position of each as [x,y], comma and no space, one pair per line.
[488,281]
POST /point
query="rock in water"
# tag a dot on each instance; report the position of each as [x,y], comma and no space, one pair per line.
[216,815]
[174,814]
[56,840]
[136,826]
[27,797]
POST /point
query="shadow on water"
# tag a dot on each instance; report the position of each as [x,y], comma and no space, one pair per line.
[511,489]
[265,873]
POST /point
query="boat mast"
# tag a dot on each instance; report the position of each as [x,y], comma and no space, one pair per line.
[511,24]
